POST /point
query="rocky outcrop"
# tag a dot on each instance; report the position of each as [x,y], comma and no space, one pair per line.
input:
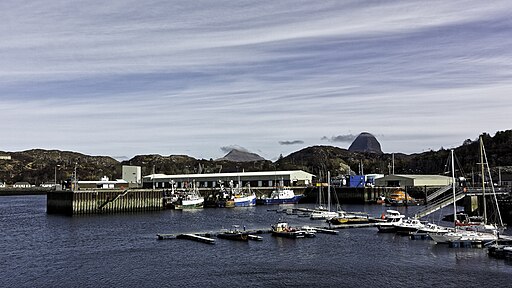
[366,143]
[241,156]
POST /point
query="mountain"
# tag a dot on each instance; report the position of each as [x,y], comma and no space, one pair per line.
[365,142]
[320,159]
[236,155]
[38,166]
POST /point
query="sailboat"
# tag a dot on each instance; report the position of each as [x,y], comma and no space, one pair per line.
[321,213]
[465,235]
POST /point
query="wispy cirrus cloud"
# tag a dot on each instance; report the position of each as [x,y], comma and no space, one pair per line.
[184,80]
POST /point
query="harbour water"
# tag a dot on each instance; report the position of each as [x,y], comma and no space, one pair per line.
[122,250]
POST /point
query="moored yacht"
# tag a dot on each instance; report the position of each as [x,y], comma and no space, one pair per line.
[391,218]
[408,226]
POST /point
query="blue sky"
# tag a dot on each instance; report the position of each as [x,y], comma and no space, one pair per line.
[123,78]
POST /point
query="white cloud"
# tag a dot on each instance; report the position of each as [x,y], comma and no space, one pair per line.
[126,78]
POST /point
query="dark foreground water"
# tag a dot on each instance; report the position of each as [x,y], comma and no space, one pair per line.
[40,250]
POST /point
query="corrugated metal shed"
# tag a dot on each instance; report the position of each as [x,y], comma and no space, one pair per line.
[413,180]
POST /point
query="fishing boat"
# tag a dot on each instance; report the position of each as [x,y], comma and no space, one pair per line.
[244,198]
[234,234]
[280,195]
[219,198]
[282,229]
[189,199]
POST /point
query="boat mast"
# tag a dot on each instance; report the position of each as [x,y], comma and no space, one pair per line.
[483,177]
[500,220]
[328,190]
[453,189]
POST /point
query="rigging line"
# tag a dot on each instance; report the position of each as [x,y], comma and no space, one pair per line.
[492,186]
[459,165]
[446,165]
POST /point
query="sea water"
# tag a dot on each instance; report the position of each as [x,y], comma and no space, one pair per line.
[122,250]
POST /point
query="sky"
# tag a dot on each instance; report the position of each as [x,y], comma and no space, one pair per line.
[125,78]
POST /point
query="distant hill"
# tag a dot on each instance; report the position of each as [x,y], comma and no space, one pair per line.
[236,155]
[365,142]
[182,164]
[38,166]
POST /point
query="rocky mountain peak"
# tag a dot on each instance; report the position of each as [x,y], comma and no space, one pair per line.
[367,143]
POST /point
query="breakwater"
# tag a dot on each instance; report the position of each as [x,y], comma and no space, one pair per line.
[111,201]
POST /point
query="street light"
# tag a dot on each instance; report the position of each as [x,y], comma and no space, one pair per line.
[55,179]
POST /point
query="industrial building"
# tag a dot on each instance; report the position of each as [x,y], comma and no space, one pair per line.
[132,175]
[254,179]
[413,181]
[104,183]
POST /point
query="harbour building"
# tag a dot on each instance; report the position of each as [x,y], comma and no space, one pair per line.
[265,179]
[403,181]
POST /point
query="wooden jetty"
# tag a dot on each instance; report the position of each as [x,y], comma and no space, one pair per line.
[326,231]
[255,237]
[197,238]
[207,237]
[347,226]
[189,236]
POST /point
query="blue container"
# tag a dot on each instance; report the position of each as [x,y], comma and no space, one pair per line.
[356,181]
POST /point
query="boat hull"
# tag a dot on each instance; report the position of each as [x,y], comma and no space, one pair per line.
[248,201]
[292,235]
[234,236]
[386,228]
[189,204]
[277,201]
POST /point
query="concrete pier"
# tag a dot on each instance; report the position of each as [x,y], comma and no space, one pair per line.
[108,201]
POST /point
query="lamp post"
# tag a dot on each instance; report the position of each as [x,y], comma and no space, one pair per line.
[55,179]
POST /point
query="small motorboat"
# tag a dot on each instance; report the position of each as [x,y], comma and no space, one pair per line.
[234,234]
[282,229]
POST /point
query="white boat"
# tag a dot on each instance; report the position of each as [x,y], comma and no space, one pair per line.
[282,229]
[245,200]
[189,199]
[408,226]
[322,213]
[391,218]
[280,195]
[431,228]
[244,197]
[464,235]
[310,231]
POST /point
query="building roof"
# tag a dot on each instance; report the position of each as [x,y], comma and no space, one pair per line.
[420,177]
[234,174]
[118,181]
